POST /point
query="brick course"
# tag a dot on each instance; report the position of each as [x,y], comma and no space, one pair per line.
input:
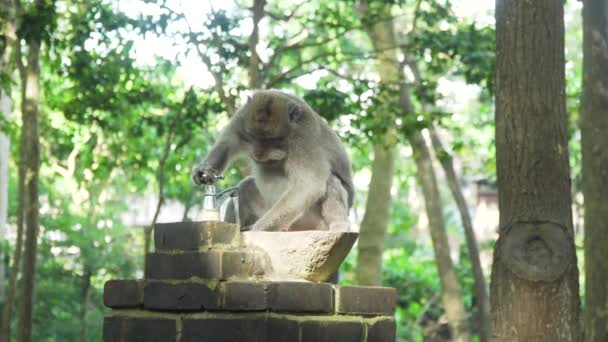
[383,330]
[225,329]
[205,265]
[190,236]
[141,329]
[300,297]
[179,297]
[123,293]
[244,296]
[246,327]
[366,300]
[331,331]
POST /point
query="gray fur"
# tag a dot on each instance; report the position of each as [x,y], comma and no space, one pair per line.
[301,177]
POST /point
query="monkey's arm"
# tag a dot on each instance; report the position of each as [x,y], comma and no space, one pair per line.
[306,188]
[228,146]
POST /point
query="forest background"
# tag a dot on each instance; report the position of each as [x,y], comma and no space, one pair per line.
[129,95]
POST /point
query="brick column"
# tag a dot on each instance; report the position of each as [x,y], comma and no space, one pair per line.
[205,286]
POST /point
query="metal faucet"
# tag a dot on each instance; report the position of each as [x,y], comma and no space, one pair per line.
[215,204]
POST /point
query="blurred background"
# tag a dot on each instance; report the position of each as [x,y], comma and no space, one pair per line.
[132,93]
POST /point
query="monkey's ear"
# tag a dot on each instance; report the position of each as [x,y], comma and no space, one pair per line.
[295,112]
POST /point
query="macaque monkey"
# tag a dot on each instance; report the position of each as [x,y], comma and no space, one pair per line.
[301,175]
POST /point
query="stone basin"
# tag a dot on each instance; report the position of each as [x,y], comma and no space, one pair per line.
[303,255]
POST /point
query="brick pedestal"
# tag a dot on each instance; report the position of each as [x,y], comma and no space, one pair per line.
[203,286]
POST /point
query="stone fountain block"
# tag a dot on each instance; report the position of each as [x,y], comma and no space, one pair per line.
[304,255]
[216,250]
[193,236]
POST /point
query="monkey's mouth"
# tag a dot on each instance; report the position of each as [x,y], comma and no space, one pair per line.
[269,156]
[265,160]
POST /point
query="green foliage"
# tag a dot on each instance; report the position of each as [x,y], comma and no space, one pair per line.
[445,46]
[417,282]
[329,102]
[106,123]
[38,21]
[110,125]
[7,126]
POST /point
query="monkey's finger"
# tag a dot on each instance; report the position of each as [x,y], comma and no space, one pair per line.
[194,178]
[199,177]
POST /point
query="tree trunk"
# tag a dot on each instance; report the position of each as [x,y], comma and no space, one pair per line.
[84,303]
[5,109]
[383,38]
[479,281]
[451,291]
[377,208]
[534,287]
[7,311]
[375,220]
[149,229]
[31,157]
[160,180]
[594,128]
[187,207]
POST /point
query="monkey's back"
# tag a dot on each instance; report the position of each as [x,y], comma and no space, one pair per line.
[338,158]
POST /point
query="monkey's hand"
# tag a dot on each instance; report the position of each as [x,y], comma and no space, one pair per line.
[245,228]
[203,174]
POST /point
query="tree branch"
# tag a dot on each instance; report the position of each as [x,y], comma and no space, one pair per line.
[217,77]
[295,43]
[160,176]
[254,61]
[11,34]
[416,16]
[288,17]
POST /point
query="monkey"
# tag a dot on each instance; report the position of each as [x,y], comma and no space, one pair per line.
[301,175]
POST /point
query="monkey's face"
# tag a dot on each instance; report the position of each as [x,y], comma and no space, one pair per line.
[267,125]
[268,150]
[266,117]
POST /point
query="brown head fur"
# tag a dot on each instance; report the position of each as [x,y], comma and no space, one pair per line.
[267,115]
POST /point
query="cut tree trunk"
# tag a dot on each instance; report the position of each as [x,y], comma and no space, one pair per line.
[594,132]
[534,286]
[479,281]
[385,44]
[375,220]
[31,157]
